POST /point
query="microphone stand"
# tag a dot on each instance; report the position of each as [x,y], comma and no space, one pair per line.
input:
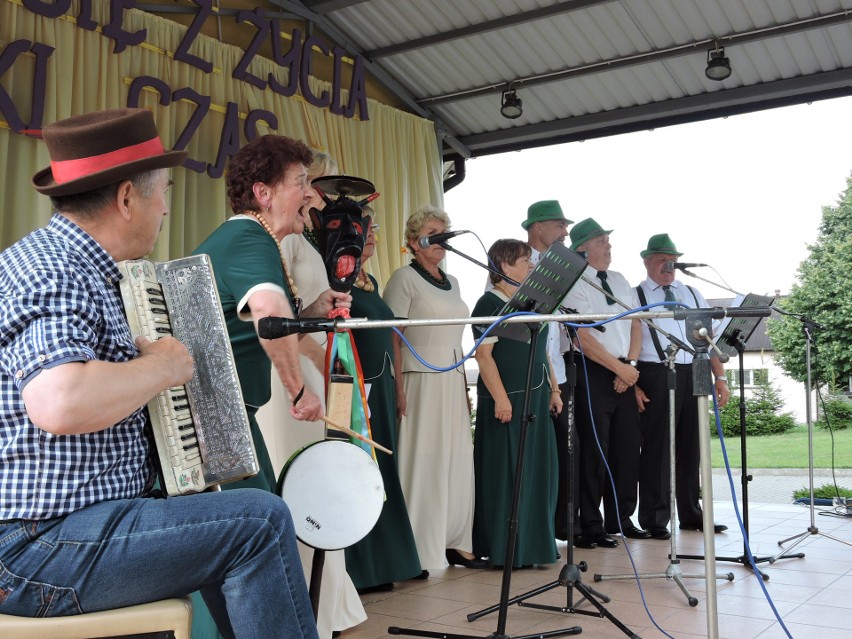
[704,279]
[569,577]
[737,339]
[488,268]
[808,327]
[673,571]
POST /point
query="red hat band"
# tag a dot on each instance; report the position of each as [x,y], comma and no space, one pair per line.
[67,170]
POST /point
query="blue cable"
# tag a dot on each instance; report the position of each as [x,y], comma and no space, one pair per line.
[727,466]
[606,465]
[739,517]
[443,369]
[600,450]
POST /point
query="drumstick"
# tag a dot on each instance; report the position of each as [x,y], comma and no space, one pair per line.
[356,435]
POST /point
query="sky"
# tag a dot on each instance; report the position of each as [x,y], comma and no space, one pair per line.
[743,194]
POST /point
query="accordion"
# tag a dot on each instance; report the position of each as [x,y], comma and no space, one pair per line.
[201,430]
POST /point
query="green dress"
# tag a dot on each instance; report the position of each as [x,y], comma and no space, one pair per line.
[388,552]
[495,454]
[244,257]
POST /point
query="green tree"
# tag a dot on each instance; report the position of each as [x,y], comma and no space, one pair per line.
[763,413]
[824,295]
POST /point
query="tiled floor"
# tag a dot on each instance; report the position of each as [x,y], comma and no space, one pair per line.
[813,595]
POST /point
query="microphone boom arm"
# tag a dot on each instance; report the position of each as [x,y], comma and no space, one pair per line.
[364,323]
[478,263]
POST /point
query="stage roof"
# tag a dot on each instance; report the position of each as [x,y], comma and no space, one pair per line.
[588,68]
[582,68]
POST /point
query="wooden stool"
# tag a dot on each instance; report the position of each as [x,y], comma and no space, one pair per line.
[173,615]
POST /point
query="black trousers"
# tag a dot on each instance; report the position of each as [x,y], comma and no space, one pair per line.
[654,482]
[616,427]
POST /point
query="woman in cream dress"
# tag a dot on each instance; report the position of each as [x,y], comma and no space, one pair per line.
[435,447]
[340,606]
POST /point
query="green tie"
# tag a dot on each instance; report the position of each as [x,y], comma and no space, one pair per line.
[670,297]
[605,286]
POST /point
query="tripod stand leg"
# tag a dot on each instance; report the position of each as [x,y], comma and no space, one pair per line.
[570,575]
[673,573]
[808,326]
[586,592]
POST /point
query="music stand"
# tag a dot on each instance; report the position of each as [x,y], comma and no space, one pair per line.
[734,333]
[557,271]
[553,277]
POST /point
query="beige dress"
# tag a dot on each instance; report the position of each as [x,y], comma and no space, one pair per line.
[435,447]
[340,606]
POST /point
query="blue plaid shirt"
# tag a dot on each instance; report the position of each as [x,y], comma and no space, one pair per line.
[60,302]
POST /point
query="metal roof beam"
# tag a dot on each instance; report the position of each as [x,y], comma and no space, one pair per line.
[830,84]
[482,27]
[449,136]
[643,58]
[324,7]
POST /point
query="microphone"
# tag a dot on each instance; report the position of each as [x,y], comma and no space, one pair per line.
[670,266]
[276,327]
[438,238]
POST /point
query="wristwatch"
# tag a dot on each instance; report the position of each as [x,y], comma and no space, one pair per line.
[632,362]
[721,378]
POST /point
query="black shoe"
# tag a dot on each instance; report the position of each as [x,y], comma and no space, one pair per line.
[422,575]
[582,541]
[717,528]
[377,588]
[454,557]
[659,533]
[605,541]
[632,532]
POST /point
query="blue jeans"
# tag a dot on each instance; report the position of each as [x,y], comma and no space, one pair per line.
[237,547]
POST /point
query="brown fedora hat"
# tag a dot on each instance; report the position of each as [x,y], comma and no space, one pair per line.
[95,149]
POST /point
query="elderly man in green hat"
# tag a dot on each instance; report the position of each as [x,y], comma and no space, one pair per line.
[613,421]
[652,396]
[545,225]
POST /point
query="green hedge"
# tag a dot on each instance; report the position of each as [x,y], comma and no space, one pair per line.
[839,411]
[763,416]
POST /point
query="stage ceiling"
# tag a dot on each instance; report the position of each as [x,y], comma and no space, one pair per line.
[583,68]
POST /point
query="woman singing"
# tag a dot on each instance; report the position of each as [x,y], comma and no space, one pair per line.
[435,448]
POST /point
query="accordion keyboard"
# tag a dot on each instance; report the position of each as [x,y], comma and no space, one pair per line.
[170,412]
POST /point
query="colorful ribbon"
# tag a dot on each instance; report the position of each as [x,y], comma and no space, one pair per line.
[341,348]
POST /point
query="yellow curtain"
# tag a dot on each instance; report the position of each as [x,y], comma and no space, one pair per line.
[397,151]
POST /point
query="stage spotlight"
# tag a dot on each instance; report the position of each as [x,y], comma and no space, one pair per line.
[512,107]
[718,66]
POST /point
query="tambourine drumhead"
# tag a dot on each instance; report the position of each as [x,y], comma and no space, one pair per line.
[335,493]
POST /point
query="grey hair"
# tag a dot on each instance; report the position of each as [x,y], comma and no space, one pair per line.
[414,223]
[90,203]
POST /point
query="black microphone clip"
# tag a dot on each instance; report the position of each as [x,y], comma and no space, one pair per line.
[277,327]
